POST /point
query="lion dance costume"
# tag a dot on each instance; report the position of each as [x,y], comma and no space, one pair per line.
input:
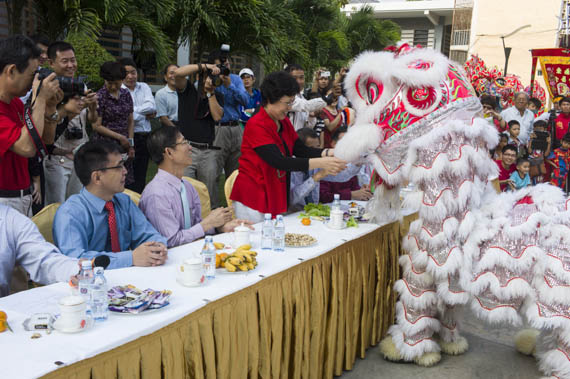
[505,256]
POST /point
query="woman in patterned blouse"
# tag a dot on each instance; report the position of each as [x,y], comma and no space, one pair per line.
[115,111]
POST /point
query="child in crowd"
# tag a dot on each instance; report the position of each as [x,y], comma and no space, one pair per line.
[539,148]
[497,154]
[558,159]
[514,131]
[563,119]
[520,178]
[506,165]
[489,104]
[534,105]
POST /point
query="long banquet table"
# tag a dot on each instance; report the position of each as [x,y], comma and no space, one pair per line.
[305,312]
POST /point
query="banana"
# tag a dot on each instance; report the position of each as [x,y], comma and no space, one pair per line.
[244,247]
[230,267]
[243,267]
[243,256]
[250,265]
[253,253]
[234,261]
[219,245]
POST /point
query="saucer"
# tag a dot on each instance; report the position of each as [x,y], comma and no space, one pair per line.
[327,224]
[60,328]
[183,283]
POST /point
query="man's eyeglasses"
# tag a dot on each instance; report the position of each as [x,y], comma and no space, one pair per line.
[183,142]
[121,165]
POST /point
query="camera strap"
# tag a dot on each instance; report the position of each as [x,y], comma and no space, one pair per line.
[33,132]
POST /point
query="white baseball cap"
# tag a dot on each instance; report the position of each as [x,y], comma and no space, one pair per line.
[246,71]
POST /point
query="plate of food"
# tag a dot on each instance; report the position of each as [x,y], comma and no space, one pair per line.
[131,300]
[299,240]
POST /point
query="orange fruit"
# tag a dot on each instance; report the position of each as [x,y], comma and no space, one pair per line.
[3,326]
[223,256]
[218,261]
[306,221]
[3,316]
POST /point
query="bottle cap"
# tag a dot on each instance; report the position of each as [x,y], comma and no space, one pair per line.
[98,270]
[268,216]
[86,264]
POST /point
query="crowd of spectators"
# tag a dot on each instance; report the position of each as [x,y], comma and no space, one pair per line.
[81,148]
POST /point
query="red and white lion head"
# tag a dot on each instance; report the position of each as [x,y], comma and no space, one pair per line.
[399,95]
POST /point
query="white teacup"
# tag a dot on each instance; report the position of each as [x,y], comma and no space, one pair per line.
[190,272]
[241,235]
[72,313]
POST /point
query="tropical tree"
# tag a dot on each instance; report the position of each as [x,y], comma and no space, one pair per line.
[365,32]
[60,18]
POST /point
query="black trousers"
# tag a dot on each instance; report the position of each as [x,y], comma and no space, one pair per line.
[141,162]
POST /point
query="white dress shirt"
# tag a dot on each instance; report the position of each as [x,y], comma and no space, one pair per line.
[143,105]
[526,121]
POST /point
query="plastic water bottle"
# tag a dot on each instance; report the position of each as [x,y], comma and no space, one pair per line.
[279,234]
[99,299]
[267,233]
[209,258]
[336,201]
[85,281]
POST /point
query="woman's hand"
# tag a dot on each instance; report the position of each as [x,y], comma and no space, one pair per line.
[131,152]
[331,164]
[124,141]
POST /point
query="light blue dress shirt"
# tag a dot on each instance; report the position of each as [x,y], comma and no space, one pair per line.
[234,96]
[22,244]
[167,103]
[143,105]
[81,228]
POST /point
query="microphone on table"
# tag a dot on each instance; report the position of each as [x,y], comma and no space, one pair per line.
[101,261]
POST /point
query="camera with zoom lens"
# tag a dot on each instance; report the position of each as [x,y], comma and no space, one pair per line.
[216,80]
[73,132]
[69,86]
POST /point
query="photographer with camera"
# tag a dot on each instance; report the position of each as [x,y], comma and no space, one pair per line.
[302,107]
[22,129]
[229,132]
[198,111]
[61,179]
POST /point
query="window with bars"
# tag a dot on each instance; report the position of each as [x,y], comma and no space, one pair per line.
[421,37]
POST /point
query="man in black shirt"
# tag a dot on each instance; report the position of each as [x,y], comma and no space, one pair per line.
[198,111]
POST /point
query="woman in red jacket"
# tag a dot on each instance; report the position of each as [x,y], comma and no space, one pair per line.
[269,142]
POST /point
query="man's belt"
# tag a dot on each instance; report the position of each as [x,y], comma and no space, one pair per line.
[15,193]
[204,146]
[229,123]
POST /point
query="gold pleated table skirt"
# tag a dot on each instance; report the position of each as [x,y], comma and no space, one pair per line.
[310,321]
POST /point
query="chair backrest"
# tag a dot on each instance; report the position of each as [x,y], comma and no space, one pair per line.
[135,197]
[44,221]
[229,185]
[203,193]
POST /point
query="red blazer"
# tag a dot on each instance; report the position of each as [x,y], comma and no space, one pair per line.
[258,185]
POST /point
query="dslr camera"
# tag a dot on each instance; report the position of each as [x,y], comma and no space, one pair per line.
[69,86]
[224,70]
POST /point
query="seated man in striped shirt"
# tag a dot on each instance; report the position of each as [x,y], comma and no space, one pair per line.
[171,204]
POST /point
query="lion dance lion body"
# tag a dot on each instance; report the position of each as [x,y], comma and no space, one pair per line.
[505,255]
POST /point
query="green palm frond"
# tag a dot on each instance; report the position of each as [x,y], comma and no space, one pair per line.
[83,21]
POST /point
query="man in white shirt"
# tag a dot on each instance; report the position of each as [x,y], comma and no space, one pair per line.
[166,98]
[144,109]
[521,113]
[301,109]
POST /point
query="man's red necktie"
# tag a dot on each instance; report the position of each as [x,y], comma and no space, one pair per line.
[115,245]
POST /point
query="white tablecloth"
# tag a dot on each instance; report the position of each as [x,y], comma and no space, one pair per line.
[23,357]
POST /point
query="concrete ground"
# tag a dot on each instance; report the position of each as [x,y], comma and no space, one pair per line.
[491,355]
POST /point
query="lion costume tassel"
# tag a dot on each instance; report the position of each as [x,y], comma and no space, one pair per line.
[503,256]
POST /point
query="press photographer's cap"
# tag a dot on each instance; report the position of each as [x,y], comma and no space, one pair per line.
[246,71]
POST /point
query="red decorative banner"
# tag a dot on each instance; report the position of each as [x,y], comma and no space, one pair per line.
[555,64]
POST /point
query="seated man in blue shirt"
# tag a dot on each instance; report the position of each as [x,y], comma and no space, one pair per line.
[103,220]
[22,244]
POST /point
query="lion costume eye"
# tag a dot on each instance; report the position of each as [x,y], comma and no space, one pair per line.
[374,90]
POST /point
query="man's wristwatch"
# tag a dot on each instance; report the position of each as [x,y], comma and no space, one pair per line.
[52,117]
[208,94]
[131,142]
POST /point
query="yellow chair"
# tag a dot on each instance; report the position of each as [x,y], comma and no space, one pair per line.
[44,221]
[202,193]
[135,197]
[229,185]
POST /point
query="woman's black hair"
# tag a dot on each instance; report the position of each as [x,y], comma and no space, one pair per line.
[276,85]
[112,71]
